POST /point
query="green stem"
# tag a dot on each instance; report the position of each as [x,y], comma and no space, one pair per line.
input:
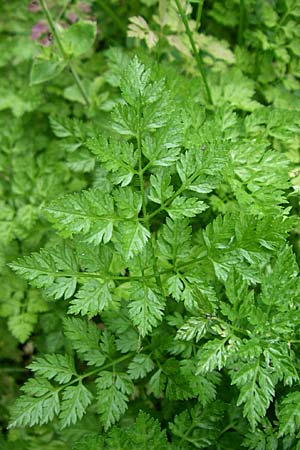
[228,427]
[79,378]
[61,13]
[238,330]
[257,65]
[109,277]
[118,22]
[168,202]
[184,437]
[79,83]
[156,271]
[147,166]
[284,17]
[199,14]
[195,51]
[141,172]
[107,366]
[62,51]
[192,262]
[242,22]
[52,27]
[97,275]
[13,369]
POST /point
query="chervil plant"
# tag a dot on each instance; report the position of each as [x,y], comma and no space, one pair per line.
[163,279]
[185,300]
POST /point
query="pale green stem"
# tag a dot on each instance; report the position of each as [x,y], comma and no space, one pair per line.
[141,172]
[63,9]
[113,16]
[242,22]
[199,14]
[167,202]
[62,51]
[13,369]
[196,54]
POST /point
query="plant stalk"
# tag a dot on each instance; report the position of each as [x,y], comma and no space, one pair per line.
[141,173]
[79,83]
[242,22]
[118,22]
[167,202]
[63,9]
[62,51]
[196,54]
[199,14]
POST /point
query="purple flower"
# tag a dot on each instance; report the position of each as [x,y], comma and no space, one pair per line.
[72,17]
[34,6]
[84,7]
[47,40]
[38,29]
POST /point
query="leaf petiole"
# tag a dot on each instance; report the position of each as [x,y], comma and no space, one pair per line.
[62,51]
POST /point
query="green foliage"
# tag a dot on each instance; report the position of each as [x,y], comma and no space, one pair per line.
[112,396]
[44,270]
[85,339]
[79,38]
[149,235]
[75,400]
[39,405]
[289,414]
[143,434]
[57,367]
[197,427]
[43,70]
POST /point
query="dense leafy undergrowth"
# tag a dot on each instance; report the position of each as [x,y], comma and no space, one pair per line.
[149,250]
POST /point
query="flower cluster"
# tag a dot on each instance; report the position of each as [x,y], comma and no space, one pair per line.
[40,30]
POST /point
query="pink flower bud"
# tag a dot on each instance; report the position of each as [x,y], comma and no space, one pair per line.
[34,6]
[72,17]
[84,7]
[38,29]
[47,40]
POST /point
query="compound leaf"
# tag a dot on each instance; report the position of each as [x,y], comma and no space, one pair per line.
[85,339]
[89,214]
[145,307]
[91,298]
[139,366]
[79,37]
[186,207]
[256,390]
[38,406]
[60,368]
[112,396]
[289,414]
[75,400]
[132,238]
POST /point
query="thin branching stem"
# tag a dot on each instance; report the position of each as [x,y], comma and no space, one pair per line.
[179,191]
[140,156]
[62,51]
[13,369]
[106,366]
[117,21]
[61,13]
[242,22]
[199,14]
[196,54]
